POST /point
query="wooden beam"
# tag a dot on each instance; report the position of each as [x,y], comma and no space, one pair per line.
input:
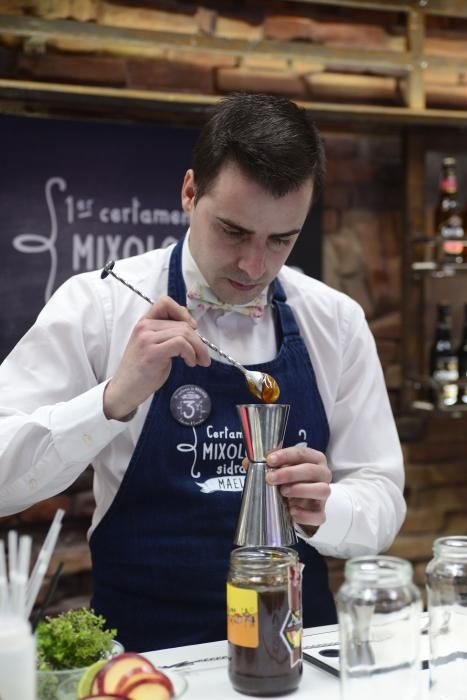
[415,41]
[103,98]
[392,5]
[413,300]
[103,37]
[447,8]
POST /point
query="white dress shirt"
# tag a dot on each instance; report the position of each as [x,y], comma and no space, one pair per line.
[52,423]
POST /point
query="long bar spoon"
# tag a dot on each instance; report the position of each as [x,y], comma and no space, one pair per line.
[260,384]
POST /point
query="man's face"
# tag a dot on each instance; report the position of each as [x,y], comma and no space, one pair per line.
[240,235]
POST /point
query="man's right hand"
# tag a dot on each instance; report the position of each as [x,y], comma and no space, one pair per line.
[166,331]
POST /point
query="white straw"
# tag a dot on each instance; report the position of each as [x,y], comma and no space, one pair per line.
[12,564]
[44,549]
[4,595]
[43,560]
[25,544]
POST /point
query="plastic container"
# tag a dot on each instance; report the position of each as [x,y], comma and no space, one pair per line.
[17,659]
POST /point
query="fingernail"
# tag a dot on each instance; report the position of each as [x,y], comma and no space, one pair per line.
[272,459]
[271,478]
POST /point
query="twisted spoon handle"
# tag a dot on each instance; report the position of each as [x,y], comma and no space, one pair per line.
[108,270]
[224,354]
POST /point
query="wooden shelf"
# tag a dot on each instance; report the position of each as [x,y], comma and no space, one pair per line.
[31,92]
[104,37]
[439,269]
[425,383]
[448,8]
[455,411]
[406,63]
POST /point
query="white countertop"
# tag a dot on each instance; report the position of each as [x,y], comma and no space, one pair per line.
[207,677]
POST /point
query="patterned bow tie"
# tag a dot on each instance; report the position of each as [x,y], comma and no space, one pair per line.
[201,298]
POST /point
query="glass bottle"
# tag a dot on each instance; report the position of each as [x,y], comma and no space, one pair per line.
[264,620]
[448,217]
[444,367]
[378,609]
[446,584]
[462,362]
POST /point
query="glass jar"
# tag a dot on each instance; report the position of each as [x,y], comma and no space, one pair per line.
[378,609]
[264,620]
[446,583]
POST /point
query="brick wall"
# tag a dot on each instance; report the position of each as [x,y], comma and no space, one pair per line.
[173,65]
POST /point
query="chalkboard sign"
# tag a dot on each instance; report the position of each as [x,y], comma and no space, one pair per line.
[75,194]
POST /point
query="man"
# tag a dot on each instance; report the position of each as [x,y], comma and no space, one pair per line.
[102,378]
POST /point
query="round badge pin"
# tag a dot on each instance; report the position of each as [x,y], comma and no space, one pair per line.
[190,404]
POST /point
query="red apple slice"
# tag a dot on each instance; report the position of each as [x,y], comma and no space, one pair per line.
[132,676]
[147,689]
[108,677]
[105,697]
[94,687]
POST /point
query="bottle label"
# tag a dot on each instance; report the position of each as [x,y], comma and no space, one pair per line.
[449,184]
[242,616]
[446,370]
[453,248]
[292,629]
[451,231]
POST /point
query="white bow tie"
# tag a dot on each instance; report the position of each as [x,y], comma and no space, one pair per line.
[201,298]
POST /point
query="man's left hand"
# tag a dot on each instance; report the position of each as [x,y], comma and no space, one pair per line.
[303,476]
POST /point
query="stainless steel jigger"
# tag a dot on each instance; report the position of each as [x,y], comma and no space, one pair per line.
[264,517]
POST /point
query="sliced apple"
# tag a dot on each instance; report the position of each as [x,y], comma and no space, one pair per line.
[108,677]
[105,696]
[94,688]
[147,689]
[129,679]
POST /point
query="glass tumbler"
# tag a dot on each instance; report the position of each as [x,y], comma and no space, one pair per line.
[379,610]
[446,583]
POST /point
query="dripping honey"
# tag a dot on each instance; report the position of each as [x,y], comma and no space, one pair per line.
[269,389]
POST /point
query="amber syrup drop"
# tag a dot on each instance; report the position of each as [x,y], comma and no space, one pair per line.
[269,392]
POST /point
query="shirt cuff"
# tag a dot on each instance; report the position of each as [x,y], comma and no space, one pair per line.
[80,429]
[338,520]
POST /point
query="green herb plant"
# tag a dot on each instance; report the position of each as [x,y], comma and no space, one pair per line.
[73,639]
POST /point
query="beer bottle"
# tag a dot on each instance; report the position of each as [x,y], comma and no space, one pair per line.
[449,228]
[443,359]
[462,362]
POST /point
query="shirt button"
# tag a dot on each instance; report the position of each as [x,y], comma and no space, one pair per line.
[87,439]
[32,484]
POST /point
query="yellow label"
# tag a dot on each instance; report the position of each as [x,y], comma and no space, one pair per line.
[242,616]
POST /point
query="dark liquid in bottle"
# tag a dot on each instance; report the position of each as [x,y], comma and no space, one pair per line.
[266,669]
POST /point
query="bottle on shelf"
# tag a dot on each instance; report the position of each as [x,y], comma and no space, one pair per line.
[449,228]
[462,362]
[444,366]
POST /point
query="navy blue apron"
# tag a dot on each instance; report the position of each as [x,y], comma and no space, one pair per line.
[161,552]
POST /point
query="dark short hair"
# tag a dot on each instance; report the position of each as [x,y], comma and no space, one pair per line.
[271,139]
